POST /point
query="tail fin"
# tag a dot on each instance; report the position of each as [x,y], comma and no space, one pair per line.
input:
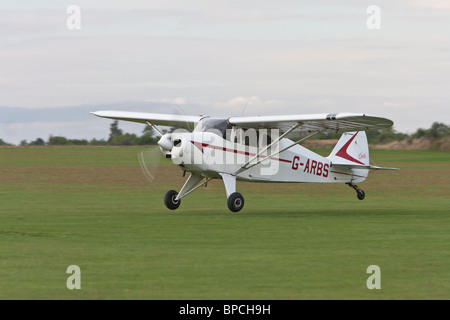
[351,149]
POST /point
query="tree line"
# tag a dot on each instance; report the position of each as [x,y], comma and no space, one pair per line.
[118,138]
[438,130]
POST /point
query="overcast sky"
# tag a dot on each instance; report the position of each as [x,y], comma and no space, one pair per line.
[223,58]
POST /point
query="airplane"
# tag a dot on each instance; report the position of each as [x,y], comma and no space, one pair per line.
[260,149]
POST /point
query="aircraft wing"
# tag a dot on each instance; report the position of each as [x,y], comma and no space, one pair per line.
[169,120]
[310,123]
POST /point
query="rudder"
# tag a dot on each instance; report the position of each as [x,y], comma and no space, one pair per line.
[352,148]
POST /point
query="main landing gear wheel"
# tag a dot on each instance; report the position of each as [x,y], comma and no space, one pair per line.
[359,192]
[169,200]
[235,202]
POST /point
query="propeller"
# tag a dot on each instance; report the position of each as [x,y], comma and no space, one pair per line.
[150,159]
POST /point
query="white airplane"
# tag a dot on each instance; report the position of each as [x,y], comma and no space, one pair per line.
[257,148]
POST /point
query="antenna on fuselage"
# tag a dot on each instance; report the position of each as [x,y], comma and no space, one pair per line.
[246,105]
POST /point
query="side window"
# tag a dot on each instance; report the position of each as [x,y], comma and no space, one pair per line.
[251,137]
[247,140]
[263,138]
[247,137]
[227,131]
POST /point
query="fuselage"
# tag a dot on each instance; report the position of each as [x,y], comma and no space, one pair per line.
[215,147]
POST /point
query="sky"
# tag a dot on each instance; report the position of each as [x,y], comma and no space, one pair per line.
[221,58]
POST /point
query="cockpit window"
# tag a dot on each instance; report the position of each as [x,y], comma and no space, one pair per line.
[218,126]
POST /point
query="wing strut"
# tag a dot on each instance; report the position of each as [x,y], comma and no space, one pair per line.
[276,152]
[245,166]
[155,128]
[296,142]
[190,185]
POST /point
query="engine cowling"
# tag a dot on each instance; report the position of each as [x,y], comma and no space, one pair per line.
[166,142]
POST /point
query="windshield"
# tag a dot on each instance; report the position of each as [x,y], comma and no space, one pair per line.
[218,126]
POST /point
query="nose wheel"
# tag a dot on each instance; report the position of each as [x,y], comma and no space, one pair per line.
[359,192]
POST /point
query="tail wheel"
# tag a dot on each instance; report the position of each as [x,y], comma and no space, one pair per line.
[235,202]
[170,200]
[359,192]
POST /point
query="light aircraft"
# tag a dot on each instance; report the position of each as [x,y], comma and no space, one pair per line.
[260,148]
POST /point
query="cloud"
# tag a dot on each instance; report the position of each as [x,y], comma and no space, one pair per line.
[399,104]
[16,23]
[214,16]
[176,101]
[253,100]
[248,105]
[324,103]
[443,5]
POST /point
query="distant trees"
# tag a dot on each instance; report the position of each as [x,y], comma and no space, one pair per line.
[437,131]
[37,142]
[384,136]
[116,138]
[3,143]
[115,132]
[61,141]
[374,136]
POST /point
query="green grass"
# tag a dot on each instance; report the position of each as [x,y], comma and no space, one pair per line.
[93,207]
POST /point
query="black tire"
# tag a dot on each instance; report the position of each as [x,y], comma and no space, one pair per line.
[235,202]
[361,195]
[169,200]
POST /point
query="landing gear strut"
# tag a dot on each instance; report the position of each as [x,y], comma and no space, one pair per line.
[235,200]
[172,199]
[359,193]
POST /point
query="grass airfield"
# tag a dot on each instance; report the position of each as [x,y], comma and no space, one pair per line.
[93,207]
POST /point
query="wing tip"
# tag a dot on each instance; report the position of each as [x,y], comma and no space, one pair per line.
[96,113]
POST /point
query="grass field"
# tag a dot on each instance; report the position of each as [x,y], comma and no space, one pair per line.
[93,207]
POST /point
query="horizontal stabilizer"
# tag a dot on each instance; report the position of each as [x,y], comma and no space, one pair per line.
[358,166]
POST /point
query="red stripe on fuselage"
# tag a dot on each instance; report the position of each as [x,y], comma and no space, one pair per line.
[200,146]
